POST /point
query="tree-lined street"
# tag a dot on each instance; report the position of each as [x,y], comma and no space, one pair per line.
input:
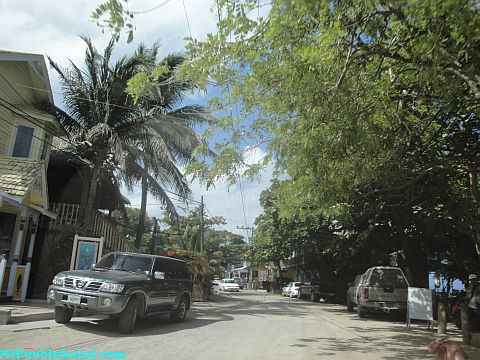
[248,325]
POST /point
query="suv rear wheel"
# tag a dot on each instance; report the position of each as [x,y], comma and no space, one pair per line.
[128,317]
[63,315]
[361,311]
[179,314]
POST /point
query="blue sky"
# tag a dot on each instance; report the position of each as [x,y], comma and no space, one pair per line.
[52,27]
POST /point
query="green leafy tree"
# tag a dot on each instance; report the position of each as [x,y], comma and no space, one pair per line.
[141,139]
[98,113]
[154,162]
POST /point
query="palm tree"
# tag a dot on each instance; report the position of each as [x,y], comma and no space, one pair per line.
[114,134]
[155,165]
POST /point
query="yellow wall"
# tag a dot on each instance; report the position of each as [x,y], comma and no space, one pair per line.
[5,131]
[8,123]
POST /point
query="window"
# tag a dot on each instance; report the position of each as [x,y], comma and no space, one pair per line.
[125,262]
[173,269]
[23,141]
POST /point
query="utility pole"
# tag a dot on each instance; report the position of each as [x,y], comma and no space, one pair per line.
[154,236]
[247,228]
[201,225]
[249,241]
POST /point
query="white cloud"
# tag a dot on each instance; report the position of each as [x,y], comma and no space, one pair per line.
[53,27]
[224,200]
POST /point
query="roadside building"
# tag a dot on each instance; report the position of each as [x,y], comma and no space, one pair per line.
[26,133]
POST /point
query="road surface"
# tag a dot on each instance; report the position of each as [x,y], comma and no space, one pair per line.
[247,325]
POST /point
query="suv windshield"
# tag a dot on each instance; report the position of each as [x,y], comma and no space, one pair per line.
[124,262]
[394,277]
[229,281]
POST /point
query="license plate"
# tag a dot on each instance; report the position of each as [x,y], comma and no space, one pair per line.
[73,299]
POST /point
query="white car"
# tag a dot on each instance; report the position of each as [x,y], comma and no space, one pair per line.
[382,288]
[293,289]
[228,285]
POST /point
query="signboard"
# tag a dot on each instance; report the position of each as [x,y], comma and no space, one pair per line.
[86,252]
[419,304]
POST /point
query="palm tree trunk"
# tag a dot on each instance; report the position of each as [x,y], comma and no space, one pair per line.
[143,213]
[89,214]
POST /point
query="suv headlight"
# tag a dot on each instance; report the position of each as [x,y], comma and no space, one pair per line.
[113,288]
[58,280]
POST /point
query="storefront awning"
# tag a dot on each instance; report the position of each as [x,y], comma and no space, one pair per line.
[23,181]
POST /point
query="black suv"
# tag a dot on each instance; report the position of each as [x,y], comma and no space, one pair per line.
[124,285]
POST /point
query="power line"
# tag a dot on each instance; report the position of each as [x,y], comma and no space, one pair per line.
[36,137]
[37,123]
[93,101]
[180,197]
[150,10]
[186,17]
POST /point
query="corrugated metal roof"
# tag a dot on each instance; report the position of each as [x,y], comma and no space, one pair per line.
[18,174]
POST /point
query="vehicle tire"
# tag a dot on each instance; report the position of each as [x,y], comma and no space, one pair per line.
[349,305]
[128,317]
[63,315]
[361,311]
[179,314]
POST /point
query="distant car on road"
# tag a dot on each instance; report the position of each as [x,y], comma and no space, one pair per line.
[291,289]
[228,285]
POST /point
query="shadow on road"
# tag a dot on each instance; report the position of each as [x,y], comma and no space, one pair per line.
[151,326]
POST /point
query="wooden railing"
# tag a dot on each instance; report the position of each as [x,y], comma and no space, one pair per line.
[70,214]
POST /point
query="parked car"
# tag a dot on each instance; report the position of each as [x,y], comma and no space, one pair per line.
[352,292]
[304,291]
[319,289]
[285,289]
[124,285]
[228,285]
[383,288]
[293,289]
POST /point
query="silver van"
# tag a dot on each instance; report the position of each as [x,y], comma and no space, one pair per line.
[382,288]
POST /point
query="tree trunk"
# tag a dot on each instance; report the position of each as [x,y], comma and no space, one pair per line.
[89,214]
[143,213]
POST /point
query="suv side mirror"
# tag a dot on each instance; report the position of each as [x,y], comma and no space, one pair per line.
[159,275]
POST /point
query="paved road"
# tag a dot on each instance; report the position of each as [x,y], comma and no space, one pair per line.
[248,325]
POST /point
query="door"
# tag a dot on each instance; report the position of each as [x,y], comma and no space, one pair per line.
[158,298]
[173,274]
[7,230]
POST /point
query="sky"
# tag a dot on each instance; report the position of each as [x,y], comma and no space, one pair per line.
[52,27]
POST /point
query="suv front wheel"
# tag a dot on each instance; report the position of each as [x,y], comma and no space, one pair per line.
[63,315]
[179,314]
[128,317]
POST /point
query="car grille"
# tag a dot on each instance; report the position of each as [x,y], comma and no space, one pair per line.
[91,285]
[68,282]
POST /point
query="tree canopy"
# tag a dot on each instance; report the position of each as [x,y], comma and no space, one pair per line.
[371,109]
